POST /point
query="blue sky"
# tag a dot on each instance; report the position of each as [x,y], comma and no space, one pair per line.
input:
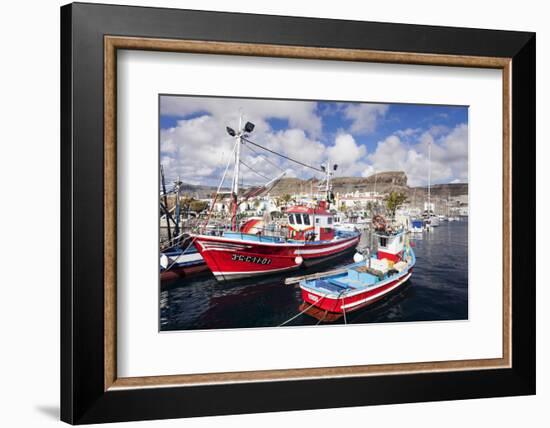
[363,138]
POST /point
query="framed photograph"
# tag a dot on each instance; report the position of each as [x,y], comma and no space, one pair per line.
[256,208]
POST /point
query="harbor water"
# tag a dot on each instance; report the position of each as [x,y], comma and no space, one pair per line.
[437,290]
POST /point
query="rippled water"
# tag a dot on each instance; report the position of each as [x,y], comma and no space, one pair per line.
[437,290]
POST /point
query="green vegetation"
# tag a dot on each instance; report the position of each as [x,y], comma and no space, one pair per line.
[393,201]
[198,206]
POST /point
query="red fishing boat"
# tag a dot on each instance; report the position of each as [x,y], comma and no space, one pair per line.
[310,239]
[255,248]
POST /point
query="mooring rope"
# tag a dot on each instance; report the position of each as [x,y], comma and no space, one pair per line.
[302,312]
[313,304]
[344,310]
[334,307]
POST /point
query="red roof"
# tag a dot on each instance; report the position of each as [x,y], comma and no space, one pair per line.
[300,209]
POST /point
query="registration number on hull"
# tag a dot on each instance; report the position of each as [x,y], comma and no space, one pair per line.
[251,259]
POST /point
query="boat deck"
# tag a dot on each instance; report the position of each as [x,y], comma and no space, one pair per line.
[354,278]
[359,276]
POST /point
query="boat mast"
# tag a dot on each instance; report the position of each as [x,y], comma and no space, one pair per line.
[235,187]
[178,207]
[328,185]
[165,197]
[327,188]
[429,178]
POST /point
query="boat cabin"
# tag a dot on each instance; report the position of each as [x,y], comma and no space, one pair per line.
[310,224]
[390,246]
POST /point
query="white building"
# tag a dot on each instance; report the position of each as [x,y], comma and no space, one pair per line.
[357,200]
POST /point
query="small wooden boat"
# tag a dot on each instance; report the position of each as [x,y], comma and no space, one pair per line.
[365,281]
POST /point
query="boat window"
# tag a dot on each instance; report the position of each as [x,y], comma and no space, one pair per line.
[329,220]
[298,219]
[383,241]
[317,220]
[306,219]
[291,218]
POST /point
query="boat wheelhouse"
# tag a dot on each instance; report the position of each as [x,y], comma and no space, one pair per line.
[310,224]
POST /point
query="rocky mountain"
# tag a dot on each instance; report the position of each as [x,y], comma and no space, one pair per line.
[382,182]
[444,191]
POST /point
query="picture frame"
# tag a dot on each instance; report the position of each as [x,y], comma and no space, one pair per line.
[91,391]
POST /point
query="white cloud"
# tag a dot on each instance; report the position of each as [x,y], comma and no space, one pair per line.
[348,155]
[298,114]
[198,148]
[449,155]
[364,117]
[409,132]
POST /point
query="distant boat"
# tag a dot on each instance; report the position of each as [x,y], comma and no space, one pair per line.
[180,262]
[430,219]
[364,282]
[351,223]
[416,226]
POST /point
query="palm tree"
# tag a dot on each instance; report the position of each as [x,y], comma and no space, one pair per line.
[286,198]
[393,201]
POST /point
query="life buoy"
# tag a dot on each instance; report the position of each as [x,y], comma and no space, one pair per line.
[379,222]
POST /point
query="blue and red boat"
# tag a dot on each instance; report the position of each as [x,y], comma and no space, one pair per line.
[366,281]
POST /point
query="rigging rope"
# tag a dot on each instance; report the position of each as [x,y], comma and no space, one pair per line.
[283,156]
[265,159]
[256,172]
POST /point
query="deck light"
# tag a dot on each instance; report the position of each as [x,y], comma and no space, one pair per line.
[230,131]
[249,127]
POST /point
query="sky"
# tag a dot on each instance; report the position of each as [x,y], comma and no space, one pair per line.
[362,138]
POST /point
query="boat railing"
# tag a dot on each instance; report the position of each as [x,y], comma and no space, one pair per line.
[260,235]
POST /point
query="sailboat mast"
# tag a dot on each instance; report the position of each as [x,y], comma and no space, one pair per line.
[429,177]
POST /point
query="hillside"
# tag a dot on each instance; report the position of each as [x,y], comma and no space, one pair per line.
[382,182]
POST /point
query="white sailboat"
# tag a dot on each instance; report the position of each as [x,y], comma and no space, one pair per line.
[430,219]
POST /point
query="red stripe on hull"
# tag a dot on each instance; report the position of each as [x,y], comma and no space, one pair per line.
[241,258]
[334,304]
